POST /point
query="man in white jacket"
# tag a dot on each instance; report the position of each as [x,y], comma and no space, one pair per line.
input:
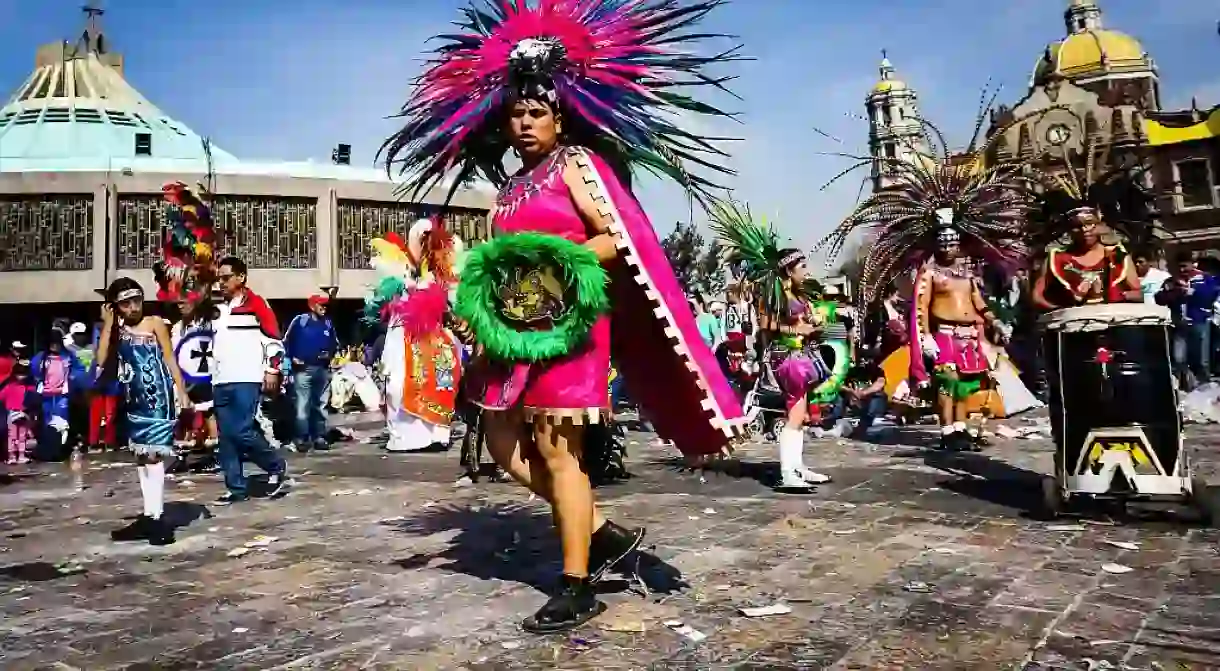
[248,355]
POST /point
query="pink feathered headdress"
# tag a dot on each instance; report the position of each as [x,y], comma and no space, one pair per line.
[614,67]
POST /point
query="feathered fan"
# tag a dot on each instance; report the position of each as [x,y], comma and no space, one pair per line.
[1100,178]
[989,203]
[753,245]
[612,67]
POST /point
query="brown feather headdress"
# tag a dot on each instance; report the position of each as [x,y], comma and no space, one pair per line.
[936,192]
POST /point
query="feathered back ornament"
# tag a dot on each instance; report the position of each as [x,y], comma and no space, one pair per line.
[611,67]
[393,268]
[937,193]
[434,250]
[752,245]
[188,251]
[1099,178]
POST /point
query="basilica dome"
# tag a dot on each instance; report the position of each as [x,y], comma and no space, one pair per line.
[1092,53]
[1090,50]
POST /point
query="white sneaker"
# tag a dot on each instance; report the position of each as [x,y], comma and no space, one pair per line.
[813,477]
[793,480]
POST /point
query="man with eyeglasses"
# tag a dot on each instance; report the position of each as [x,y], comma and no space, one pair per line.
[248,354]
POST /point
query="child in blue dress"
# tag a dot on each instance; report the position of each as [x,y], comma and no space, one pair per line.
[140,347]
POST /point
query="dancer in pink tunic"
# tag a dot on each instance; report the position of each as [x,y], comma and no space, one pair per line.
[582,91]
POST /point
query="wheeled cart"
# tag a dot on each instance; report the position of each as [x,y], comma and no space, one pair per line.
[1114,410]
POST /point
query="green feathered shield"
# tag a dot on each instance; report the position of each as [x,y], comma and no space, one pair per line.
[530,296]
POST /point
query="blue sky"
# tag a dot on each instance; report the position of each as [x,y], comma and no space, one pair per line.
[290,79]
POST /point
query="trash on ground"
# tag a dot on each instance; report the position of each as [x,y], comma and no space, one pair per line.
[237,552]
[1116,568]
[1066,527]
[1201,406]
[917,587]
[686,630]
[1125,545]
[765,611]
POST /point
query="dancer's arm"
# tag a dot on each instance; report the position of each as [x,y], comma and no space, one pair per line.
[103,339]
[923,301]
[1039,294]
[601,240]
[1132,292]
[171,361]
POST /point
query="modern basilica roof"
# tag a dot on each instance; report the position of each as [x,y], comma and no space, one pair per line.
[77,112]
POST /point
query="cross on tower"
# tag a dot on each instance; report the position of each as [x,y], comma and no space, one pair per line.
[92,38]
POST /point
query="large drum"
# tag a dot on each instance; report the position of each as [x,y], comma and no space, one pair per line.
[1113,403]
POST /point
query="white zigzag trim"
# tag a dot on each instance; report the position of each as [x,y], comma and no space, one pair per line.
[732,428]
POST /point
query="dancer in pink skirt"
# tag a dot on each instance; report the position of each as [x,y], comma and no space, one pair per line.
[582,91]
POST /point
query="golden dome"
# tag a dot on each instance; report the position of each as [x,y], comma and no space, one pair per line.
[888,85]
[1091,52]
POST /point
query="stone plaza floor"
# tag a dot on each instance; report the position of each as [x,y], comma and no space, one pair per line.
[910,559]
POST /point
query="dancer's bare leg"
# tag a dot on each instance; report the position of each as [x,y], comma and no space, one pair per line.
[559,443]
[510,441]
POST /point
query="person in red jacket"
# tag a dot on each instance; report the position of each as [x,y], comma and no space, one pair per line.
[247,352]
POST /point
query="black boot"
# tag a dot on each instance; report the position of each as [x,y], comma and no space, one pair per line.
[573,605]
[610,545]
[160,533]
[139,530]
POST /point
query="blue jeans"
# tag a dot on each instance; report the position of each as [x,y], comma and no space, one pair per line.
[310,386]
[1192,351]
[870,407]
[54,406]
[240,436]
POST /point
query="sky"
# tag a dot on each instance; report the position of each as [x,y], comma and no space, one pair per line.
[280,79]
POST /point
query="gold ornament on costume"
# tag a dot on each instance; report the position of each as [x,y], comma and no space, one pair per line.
[532,295]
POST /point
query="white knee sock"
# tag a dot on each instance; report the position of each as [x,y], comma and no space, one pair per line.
[144,494]
[791,445]
[154,499]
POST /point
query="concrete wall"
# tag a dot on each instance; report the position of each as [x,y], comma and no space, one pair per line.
[106,187]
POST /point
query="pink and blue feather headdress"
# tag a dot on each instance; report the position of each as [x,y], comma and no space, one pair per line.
[612,67]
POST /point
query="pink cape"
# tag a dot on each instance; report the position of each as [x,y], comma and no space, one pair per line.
[655,343]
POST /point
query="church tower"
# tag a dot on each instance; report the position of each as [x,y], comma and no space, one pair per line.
[894,129]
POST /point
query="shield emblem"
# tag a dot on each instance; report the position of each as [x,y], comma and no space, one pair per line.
[195,356]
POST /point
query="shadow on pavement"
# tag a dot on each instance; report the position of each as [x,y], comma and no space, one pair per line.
[514,543]
[987,479]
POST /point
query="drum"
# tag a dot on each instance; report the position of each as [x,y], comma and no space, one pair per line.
[1113,407]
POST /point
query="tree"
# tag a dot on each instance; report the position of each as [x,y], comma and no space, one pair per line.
[684,249]
[710,278]
[697,265]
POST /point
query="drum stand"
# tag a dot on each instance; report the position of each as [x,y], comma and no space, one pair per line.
[1114,415]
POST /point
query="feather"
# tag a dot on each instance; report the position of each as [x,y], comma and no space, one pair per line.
[990,203]
[1097,178]
[753,245]
[612,65]
[420,311]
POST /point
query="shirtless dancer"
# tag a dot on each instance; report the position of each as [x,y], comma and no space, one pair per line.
[951,316]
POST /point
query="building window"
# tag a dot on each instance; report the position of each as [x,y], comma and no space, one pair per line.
[266,232]
[1196,187]
[889,151]
[46,232]
[885,116]
[362,220]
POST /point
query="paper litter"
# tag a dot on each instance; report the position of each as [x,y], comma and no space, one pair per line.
[765,611]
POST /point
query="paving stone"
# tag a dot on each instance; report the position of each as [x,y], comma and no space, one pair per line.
[910,559]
